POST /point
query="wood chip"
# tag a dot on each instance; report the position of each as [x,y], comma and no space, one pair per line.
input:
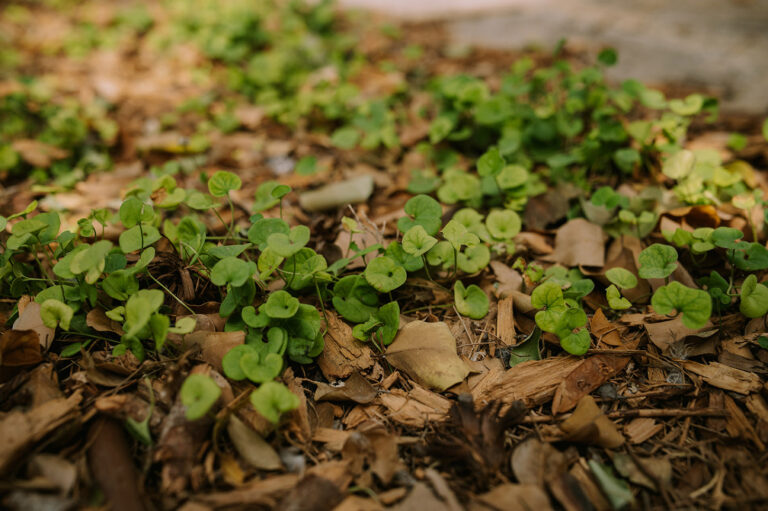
[505,321]
[724,377]
[641,429]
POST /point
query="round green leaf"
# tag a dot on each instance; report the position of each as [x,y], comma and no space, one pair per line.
[657,261]
[615,300]
[503,224]
[490,163]
[384,274]
[138,237]
[471,301]
[576,343]
[264,199]
[512,176]
[272,399]
[547,295]
[474,259]
[694,304]
[457,235]
[679,164]
[230,362]
[285,245]
[261,368]
[198,394]
[280,305]
[230,270]
[754,298]
[263,228]
[422,210]
[621,277]
[417,242]
[726,237]
[55,313]
[223,182]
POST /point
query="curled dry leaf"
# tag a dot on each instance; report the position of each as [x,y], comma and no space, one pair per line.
[343,354]
[214,345]
[252,447]
[356,389]
[29,319]
[19,348]
[579,243]
[589,425]
[512,496]
[427,353]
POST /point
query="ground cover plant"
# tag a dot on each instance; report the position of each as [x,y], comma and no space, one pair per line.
[541,267]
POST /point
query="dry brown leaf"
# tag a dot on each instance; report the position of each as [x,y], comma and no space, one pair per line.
[672,333]
[659,467]
[415,408]
[342,354]
[334,439]
[20,431]
[38,154]
[214,345]
[586,377]
[29,319]
[252,447]
[19,348]
[536,462]
[427,353]
[99,321]
[622,253]
[589,425]
[579,243]
[356,389]
[512,496]
[509,280]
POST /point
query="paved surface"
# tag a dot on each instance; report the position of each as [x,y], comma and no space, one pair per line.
[719,44]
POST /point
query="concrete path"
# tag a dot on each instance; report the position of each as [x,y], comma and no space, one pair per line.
[718,44]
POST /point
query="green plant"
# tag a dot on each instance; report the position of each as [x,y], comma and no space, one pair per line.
[695,305]
[273,399]
[198,394]
[470,301]
[561,316]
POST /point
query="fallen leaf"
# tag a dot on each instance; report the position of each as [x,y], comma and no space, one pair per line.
[29,319]
[356,389]
[252,447]
[343,354]
[214,345]
[59,471]
[99,321]
[589,425]
[509,280]
[659,467]
[673,334]
[536,462]
[38,154]
[579,243]
[512,496]
[19,348]
[427,353]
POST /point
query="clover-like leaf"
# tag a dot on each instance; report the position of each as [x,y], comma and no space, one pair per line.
[473,259]
[470,301]
[120,284]
[223,182]
[389,316]
[621,277]
[268,262]
[133,211]
[159,325]
[576,343]
[694,304]
[754,298]
[254,319]
[55,313]
[138,237]
[547,295]
[280,304]
[679,165]
[691,105]
[139,309]
[272,399]
[503,224]
[354,299]
[458,235]
[422,210]
[726,237]
[183,326]
[259,232]
[260,368]
[198,394]
[402,258]
[264,199]
[417,242]
[754,257]
[657,261]
[384,274]
[512,176]
[90,261]
[199,201]
[490,163]
[615,300]
[230,362]
[231,270]
[285,245]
